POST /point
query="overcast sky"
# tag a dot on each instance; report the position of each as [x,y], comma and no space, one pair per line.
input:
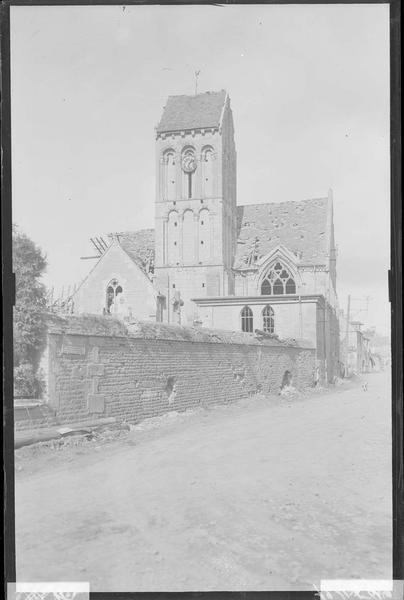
[309,89]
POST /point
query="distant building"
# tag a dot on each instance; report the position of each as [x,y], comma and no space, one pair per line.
[356,354]
[208,262]
[380,349]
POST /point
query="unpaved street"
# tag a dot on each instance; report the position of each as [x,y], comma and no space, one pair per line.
[267,494]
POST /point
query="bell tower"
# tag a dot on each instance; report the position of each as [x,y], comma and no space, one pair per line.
[195,201]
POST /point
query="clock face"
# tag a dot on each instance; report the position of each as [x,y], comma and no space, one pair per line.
[189,163]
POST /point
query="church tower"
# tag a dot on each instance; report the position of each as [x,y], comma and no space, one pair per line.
[196,223]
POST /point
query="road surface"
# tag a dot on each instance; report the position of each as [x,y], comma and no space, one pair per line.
[266,494]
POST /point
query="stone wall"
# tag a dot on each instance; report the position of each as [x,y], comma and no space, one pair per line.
[99,367]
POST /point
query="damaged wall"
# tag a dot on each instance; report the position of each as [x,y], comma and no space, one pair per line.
[147,369]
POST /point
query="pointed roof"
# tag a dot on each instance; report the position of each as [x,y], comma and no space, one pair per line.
[192,112]
[303,227]
[138,245]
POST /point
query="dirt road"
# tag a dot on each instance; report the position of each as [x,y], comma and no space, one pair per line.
[262,495]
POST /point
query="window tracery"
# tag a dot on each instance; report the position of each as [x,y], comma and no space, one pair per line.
[278,281]
[268,319]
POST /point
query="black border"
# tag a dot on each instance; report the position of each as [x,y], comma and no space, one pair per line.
[394,283]
[395,289]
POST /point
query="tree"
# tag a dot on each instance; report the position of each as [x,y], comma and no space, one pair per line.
[29,264]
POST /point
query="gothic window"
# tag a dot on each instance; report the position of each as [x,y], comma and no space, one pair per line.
[278,281]
[169,191]
[113,291]
[268,319]
[247,320]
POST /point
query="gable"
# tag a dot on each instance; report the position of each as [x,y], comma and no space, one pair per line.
[115,263]
[301,227]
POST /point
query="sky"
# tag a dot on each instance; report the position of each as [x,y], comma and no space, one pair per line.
[309,89]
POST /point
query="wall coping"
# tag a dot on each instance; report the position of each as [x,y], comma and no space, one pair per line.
[107,326]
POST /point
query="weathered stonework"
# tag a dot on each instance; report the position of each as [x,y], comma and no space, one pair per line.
[208,258]
[152,370]
[195,221]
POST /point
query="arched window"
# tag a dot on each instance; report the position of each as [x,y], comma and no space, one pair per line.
[278,281]
[188,164]
[113,291]
[247,320]
[266,288]
[207,172]
[173,238]
[268,319]
[169,191]
[189,232]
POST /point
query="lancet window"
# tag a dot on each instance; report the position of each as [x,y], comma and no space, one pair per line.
[113,291]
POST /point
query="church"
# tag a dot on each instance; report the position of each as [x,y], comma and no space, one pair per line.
[210,262]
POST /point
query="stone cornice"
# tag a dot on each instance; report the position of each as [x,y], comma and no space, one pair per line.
[299,267]
[182,266]
[162,135]
[241,300]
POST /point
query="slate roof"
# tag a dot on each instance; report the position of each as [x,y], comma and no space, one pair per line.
[139,245]
[192,112]
[302,227]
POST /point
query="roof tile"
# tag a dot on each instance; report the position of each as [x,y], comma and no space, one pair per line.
[139,245]
[299,226]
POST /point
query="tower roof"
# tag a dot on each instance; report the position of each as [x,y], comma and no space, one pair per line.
[192,112]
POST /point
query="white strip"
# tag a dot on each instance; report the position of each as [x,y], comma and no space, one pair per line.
[356,585]
[53,586]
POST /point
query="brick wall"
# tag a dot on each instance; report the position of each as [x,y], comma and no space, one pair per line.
[148,369]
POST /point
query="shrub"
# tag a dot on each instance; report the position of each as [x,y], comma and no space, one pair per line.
[29,324]
[29,265]
[28,382]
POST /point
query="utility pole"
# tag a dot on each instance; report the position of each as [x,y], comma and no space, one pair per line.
[196,81]
[363,306]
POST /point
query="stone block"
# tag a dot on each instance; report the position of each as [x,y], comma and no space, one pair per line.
[96,403]
[95,370]
[74,349]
